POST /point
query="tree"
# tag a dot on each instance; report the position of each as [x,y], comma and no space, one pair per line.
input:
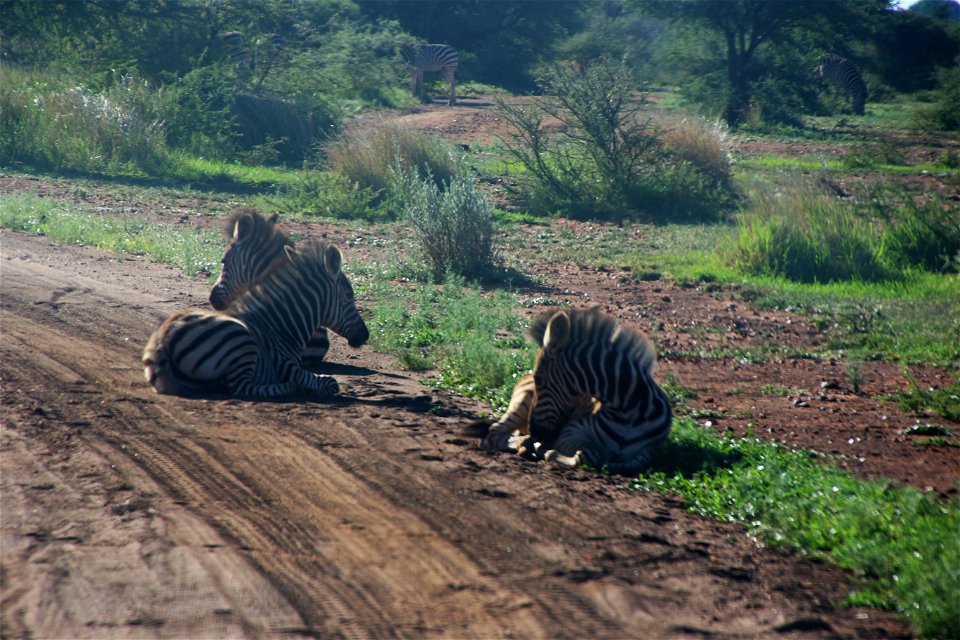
[753,34]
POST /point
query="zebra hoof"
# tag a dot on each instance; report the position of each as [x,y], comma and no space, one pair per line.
[326,387]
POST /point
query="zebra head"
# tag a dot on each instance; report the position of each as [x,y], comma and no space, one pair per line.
[562,388]
[336,306]
[255,249]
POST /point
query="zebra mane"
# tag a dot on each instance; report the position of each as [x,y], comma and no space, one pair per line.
[591,325]
[265,227]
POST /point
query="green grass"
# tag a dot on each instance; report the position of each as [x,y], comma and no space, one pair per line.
[192,250]
[473,341]
[901,543]
[943,401]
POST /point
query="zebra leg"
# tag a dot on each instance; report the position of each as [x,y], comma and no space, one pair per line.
[322,386]
[316,348]
[507,434]
[576,446]
[453,89]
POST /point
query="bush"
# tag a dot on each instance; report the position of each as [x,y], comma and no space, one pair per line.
[809,237]
[366,156]
[452,226]
[944,113]
[75,128]
[328,194]
[924,236]
[590,151]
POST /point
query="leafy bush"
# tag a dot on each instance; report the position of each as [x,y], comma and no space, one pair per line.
[590,151]
[452,226]
[366,156]
[329,194]
[73,127]
[944,113]
[925,236]
[808,237]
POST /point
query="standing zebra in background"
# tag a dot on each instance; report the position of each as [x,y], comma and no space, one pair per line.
[843,74]
[257,247]
[592,398]
[430,58]
[253,348]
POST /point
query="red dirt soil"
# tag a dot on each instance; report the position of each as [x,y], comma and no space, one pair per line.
[131,515]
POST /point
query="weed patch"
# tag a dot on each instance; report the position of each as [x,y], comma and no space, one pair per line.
[900,542]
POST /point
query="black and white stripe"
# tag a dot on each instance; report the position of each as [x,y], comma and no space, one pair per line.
[253,348]
[596,400]
[843,74]
[431,58]
[256,247]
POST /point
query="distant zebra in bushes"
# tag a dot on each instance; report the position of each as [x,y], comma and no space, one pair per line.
[253,348]
[843,74]
[591,399]
[257,247]
[430,58]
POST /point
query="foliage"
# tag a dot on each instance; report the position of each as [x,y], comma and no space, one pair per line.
[193,250]
[899,60]
[475,342]
[452,225]
[944,401]
[607,159]
[944,113]
[808,236]
[500,43]
[365,156]
[756,49]
[328,194]
[900,542]
[49,125]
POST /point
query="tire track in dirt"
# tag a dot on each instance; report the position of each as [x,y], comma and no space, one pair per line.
[285,516]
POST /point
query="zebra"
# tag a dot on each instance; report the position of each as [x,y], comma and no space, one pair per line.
[591,398]
[256,247]
[430,58]
[843,74]
[252,349]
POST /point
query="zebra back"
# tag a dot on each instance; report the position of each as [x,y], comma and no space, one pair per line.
[843,74]
[431,57]
[308,291]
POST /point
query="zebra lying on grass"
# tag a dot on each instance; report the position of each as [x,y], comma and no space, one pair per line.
[590,400]
[253,348]
[256,247]
[843,74]
[430,58]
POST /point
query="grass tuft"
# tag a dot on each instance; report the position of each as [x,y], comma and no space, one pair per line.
[901,543]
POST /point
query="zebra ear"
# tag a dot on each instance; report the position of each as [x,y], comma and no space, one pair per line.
[242,228]
[558,331]
[332,260]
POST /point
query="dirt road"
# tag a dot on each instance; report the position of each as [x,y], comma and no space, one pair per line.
[126,514]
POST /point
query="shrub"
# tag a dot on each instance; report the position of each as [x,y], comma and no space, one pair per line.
[808,237]
[944,113]
[366,157]
[924,236]
[591,152]
[452,226]
[76,128]
[328,194]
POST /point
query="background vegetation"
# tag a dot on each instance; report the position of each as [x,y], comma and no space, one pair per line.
[634,106]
